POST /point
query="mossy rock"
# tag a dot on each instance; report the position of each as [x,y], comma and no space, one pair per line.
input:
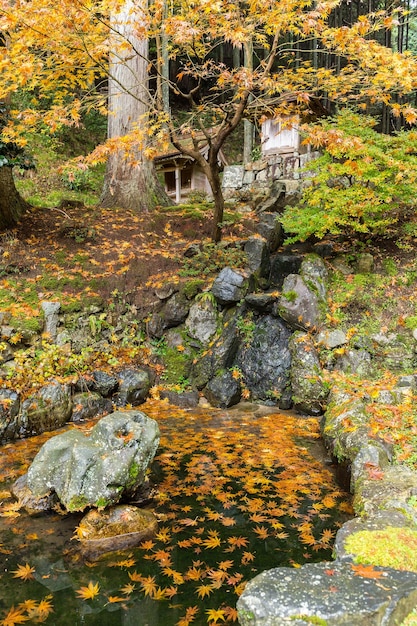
[387,547]
[117,528]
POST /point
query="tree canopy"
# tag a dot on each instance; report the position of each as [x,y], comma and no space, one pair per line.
[302,50]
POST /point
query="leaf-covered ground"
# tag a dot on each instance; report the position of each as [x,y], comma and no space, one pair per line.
[237,492]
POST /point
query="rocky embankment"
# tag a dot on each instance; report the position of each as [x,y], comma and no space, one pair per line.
[263,333]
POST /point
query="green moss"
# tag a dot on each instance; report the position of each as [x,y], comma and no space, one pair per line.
[102,503]
[291,296]
[310,619]
[389,547]
[77,503]
[178,365]
[193,287]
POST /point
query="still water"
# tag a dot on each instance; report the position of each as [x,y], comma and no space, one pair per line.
[236,491]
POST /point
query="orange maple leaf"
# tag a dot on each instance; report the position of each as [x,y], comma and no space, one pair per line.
[367,571]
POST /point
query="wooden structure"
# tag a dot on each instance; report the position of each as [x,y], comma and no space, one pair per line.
[280,136]
[182,174]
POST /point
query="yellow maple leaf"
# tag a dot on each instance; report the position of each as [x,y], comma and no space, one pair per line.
[14,616]
[25,572]
[214,615]
[89,592]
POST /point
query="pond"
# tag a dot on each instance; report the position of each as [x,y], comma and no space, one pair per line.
[236,491]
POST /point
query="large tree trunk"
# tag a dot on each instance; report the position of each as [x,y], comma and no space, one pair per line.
[12,205]
[130,181]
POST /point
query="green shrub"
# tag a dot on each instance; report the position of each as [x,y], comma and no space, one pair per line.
[362,184]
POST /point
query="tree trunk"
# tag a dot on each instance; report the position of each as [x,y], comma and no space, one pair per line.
[12,205]
[212,173]
[130,180]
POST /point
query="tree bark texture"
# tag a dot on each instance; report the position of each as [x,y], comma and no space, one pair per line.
[12,205]
[130,180]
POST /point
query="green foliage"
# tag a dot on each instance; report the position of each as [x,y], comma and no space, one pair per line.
[363,183]
[246,326]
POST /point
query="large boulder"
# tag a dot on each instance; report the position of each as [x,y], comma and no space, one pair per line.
[303,301]
[47,409]
[96,471]
[229,287]
[201,322]
[258,256]
[223,390]
[331,593]
[264,358]
[133,387]
[308,387]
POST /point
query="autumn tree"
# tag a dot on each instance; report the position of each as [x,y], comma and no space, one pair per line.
[284,77]
[130,181]
[300,53]
[52,76]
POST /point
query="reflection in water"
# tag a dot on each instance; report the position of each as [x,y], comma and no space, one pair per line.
[237,491]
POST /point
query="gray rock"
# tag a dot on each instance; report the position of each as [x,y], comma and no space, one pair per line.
[314,272]
[392,490]
[89,404]
[117,528]
[101,382]
[327,593]
[9,412]
[202,320]
[223,390]
[185,400]
[229,287]
[261,301]
[299,305]
[371,455]
[357,362]
[47,409]
[270,229]
[96,470]
[32,504]
[264,358]
[133,387]
[175,310]
[220,356]
[258,256]
[51,313]
[309,392]
[331,338]
[6,353]
[365,263]
[282,265]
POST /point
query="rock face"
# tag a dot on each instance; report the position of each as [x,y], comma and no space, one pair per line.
[96,470]
[47,409]
[309,393]
[327,593]
[229,287]
[303,300]
[9,411]
[202,321]
[264,358]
